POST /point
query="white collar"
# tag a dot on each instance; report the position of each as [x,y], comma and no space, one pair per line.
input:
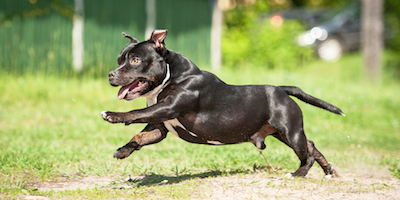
[153,94]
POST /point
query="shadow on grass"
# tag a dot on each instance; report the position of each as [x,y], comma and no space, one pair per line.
[157,179]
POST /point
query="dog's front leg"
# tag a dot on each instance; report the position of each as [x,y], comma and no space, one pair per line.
[155,114]
[134,116]
[117,117]
[151,134]
[158,113]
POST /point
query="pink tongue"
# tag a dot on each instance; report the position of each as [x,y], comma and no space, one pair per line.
[124,90]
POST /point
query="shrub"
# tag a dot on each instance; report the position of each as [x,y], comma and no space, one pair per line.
[257,43]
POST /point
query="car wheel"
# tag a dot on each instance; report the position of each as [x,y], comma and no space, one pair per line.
[330,49]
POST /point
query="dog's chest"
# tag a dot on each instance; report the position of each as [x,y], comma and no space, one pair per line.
[178,129]
[173,124]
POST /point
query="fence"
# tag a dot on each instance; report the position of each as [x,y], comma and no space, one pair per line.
[36,35]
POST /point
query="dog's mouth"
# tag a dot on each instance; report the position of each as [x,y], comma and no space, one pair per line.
[133,91]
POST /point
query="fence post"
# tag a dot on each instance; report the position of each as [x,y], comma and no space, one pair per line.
[77,36]
[216,32]
[150,18]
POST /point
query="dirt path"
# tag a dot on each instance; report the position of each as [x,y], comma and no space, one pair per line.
[366,184]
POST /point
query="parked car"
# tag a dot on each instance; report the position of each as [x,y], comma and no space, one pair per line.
[337,35]
[331,32]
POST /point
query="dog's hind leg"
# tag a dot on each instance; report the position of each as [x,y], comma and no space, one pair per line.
[298,143]
[151,134]
[325,165]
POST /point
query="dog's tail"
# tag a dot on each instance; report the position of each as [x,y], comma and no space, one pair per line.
[298,93]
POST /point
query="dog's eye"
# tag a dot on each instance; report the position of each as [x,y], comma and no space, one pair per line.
[135,61]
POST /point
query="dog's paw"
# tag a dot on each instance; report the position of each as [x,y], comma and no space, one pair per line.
[126,150]
[289,176]
[111,117]
[332,173]
[122,153]
[328,176]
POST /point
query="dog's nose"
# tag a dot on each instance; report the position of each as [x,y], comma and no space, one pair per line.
[111,78]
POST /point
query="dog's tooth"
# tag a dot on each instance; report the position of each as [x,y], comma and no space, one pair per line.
[140,83]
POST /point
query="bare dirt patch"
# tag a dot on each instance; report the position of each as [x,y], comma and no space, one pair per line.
[81,182]
[260,186]
[367,183]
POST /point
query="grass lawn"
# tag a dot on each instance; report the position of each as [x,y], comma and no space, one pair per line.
[50,127]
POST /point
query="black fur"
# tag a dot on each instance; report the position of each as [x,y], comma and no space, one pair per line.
[198,107]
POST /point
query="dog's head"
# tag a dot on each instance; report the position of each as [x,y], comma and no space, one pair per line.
[141,66]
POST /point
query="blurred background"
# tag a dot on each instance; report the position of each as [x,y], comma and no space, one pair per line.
[70,37]
[55,56]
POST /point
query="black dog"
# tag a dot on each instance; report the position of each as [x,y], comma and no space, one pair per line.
[198,107]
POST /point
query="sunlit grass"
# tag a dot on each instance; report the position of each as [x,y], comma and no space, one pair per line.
[50,126]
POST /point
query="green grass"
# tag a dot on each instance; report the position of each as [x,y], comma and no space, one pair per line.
[50,127]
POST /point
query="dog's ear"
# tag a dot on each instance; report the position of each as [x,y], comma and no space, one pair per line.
[158,37]
[133,40]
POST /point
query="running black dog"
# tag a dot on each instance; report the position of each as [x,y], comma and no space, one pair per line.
[198,107]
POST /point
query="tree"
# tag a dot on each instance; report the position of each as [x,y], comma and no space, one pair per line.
[371,37]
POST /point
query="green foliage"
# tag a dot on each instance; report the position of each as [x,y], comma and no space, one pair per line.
[235,47]
[249,40]
[275,47]
[395,172]
[392,32]
[391,64]
[392,24]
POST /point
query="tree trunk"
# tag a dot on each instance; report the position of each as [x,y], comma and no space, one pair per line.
[371,37]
